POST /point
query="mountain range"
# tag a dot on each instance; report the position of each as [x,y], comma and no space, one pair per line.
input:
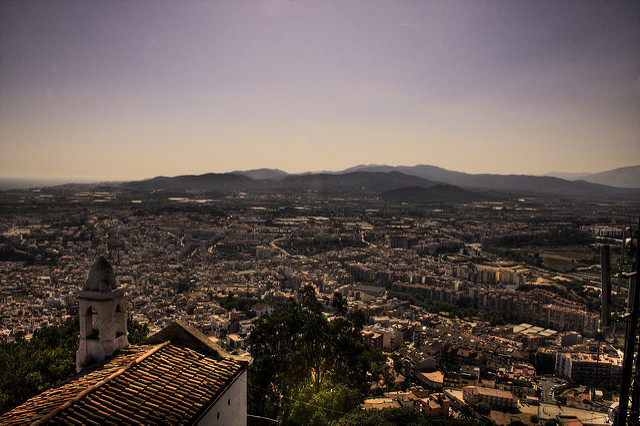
[421,183]
[624,177]
[412,184]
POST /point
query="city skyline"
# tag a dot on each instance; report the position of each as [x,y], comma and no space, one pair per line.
[121,91]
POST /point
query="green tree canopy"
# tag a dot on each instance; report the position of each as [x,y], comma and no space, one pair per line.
[136,331]
[30,367]
[301,357]
[544,363]
[403,416]
[483,408]
[494,318]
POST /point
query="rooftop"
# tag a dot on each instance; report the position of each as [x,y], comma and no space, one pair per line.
[146,384]
[101,277]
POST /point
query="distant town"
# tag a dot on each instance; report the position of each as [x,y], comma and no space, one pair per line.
[494,300]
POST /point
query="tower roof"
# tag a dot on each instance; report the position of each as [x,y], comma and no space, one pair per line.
[101,277]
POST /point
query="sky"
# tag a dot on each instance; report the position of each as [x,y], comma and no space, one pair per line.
[120,90]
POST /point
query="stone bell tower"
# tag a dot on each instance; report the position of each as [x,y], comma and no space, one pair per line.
[103,315]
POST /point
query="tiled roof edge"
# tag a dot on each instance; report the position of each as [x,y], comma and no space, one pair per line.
[97,385]
[183,334]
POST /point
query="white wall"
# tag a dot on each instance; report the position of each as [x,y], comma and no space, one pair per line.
[231,407]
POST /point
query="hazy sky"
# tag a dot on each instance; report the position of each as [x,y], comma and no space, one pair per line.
[135,89]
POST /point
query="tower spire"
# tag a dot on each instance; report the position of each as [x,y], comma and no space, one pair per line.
[103,315]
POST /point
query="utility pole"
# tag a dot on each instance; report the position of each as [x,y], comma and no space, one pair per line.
[605,266]
[617,304]
[631,244]
[635,395]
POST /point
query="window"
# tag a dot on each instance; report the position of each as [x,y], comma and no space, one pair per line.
[91,323]
[121,320]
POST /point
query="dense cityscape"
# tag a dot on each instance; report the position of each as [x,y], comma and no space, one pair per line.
[484,301]
[376,213]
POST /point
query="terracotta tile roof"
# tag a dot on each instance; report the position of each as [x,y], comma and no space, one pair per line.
[47,401]
[146,384]
[259,306]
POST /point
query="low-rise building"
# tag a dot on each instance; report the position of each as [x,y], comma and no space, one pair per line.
[497,399]
[432,380]
[235,341]
[375,339]
[435,405]
[459,379]
[380,403]
[262,310]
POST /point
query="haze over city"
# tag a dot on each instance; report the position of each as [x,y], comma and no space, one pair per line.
[319,212]
[131,90]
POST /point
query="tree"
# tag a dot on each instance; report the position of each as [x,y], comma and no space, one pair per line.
[309,299]
[328,404]
[137,331]
[385,417]
[30,367]
[483,408]
[405,416]
[466,412]
[494,318]
[397,363]
[544,363]
[301,356]
[339,303]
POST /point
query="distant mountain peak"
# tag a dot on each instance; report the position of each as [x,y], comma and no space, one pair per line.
[567,175]
[623,177]
[262,174]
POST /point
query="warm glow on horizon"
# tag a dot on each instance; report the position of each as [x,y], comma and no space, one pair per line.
[133,90]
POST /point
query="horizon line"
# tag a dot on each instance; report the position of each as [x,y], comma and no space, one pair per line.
[24,182]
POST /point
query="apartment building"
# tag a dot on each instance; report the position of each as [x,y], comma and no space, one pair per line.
[496,398]
[589,368]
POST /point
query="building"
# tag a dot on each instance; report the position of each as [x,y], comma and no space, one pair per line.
[435,405]
[262,310]
[497,399]
[176,376]
[380,403]
[589,368]
[235,341]
[521,386]
[392,338]
[374,339]
[103,315]
[432,380]
[459,379]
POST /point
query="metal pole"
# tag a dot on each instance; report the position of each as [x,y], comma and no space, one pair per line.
[605,265]
[617,303]
[629,348]
[635,395]
[627,364]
